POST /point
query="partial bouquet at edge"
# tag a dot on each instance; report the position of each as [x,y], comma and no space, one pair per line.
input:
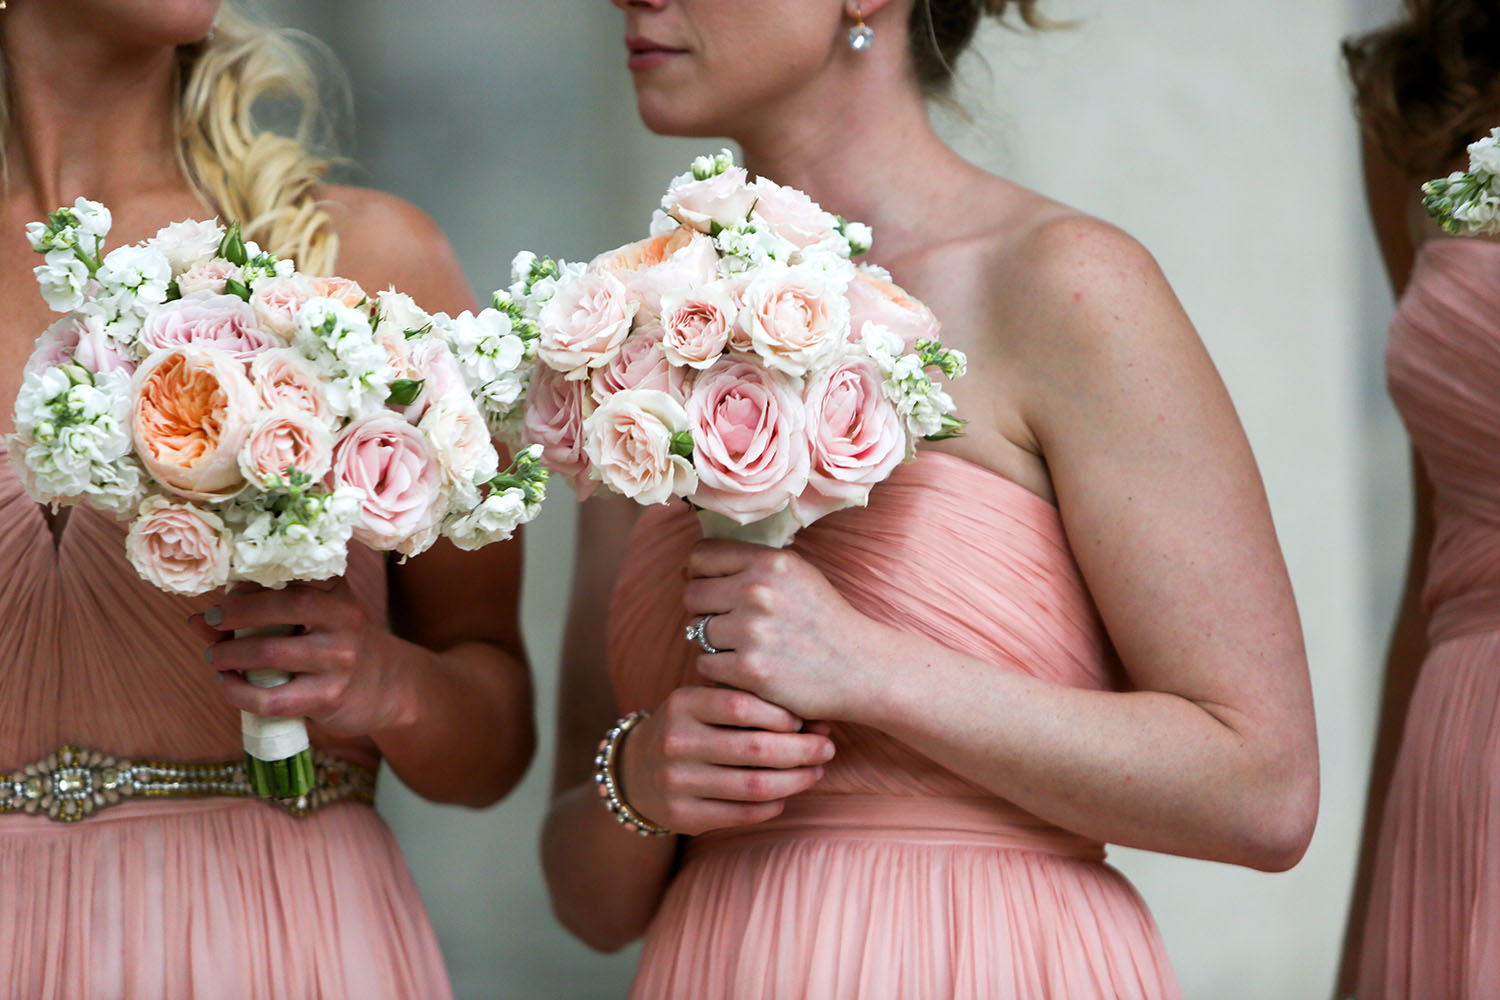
[249,422]
[1468,203]
[736,358]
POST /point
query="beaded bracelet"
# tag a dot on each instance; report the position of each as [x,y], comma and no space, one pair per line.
[609,789]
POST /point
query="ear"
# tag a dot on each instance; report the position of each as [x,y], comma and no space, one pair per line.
[855,9]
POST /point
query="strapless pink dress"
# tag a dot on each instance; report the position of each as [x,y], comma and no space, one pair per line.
[894,879]
[204,898]
[1433,928]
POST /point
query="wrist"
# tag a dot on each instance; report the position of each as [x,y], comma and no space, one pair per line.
[878,677]
[608,779]
[410,673]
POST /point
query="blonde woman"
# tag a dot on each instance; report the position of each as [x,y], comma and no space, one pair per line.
[145,106]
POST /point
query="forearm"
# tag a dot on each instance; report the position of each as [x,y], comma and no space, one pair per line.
[605,881]
[1143,769]
[464,732]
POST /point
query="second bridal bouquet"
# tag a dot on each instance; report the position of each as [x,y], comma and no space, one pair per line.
[250,422]
[736,358]
[1467,203]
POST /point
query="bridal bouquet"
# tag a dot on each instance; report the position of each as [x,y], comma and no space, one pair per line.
[249,422]
[736,358]
[1468,203]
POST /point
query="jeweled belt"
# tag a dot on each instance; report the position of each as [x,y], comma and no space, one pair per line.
[73,783]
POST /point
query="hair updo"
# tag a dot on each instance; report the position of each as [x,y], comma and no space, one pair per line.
[942,29]
[1429,84]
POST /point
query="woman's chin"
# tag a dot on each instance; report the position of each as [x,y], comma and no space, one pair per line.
[665,116]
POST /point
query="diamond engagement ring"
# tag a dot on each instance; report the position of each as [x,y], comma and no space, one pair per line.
[697,632]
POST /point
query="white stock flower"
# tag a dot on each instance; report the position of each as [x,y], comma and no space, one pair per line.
[94,221]
[1484,155]
[495,519]
[274,550]
[340,344]
[64,280]
[132,279]
[751,245]
[73,436]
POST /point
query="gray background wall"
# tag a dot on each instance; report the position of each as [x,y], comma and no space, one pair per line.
[1217,133]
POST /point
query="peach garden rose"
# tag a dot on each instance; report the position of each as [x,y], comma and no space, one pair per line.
[193,411]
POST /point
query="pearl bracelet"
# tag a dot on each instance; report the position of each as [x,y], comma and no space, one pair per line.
[608,786]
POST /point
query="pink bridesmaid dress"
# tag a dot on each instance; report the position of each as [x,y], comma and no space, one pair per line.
[1433,927]
[205,898]
[894,879]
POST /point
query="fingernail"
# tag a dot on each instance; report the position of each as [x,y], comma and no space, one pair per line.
[827,751]
[208,654]
[214,617]
[818,771]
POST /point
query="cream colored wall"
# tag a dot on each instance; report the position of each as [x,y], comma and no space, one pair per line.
[1217,133]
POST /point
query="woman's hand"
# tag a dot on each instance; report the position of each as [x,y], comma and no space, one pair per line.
[710,758]
[346,669]
[785,633]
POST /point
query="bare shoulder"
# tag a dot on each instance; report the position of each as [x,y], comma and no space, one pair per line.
[387,241]
[1078,289]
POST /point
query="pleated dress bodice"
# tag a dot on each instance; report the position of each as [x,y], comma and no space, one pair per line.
[894,877]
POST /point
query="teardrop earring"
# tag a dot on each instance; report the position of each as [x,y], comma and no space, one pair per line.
[861,36]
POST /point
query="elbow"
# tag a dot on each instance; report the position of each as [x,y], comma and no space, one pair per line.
[509,765]
[1282,827]
[598,935]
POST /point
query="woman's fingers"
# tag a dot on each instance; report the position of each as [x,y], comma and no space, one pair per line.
[758,748]
[741,709]
[303,696]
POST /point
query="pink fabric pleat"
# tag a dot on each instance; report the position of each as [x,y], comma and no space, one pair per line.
[210,898]
[1433,927]
[895,878]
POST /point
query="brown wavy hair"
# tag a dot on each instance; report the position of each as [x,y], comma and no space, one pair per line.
[264,178]
[942,29]
[1429,84]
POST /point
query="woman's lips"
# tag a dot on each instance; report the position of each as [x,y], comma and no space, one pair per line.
[646,54]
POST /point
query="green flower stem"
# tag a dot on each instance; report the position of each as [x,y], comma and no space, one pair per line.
[281,779]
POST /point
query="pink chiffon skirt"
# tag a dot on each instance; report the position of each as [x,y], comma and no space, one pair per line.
[212,898]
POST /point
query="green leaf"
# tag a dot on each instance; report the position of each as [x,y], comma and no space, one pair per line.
[232,287]
[419,332]
[404,391]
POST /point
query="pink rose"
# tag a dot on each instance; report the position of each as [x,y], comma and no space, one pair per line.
[193,410]
[725,199]
[641,364]
[584,323]
[460,439]
[855,435]
[797,319]
[628,440]
[209,277]
[276,302]
[874,299]
[284,377]
[225,322]
[794,216]
[341,290]
[286,438]
[178,548]
[696,325]
[750,443]
[81,339]
[431,360]
[679,258]
[392,462]
[556,408]
[188,242]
